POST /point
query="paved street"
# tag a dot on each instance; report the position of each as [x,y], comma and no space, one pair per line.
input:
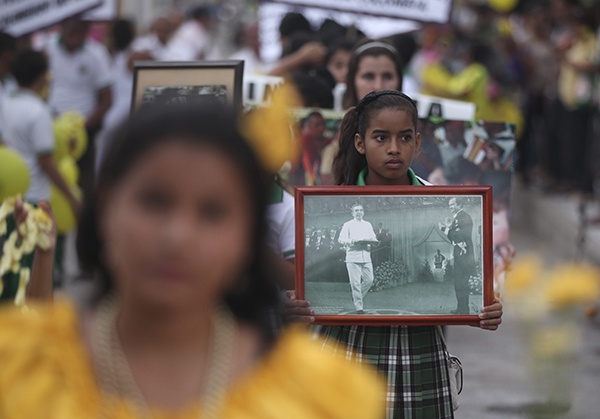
[497,377]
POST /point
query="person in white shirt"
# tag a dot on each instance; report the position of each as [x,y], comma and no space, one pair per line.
[121,36]
[192,39]
[27,123]
[248,42]
[357,236]
[81,81]
[156,42]
[27,129]
[81,77]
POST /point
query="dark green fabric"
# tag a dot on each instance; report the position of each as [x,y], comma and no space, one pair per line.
[411,175]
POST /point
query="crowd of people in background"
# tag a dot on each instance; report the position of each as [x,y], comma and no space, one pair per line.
[535,66]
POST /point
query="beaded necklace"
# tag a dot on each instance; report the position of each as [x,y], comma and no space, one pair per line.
[116,378]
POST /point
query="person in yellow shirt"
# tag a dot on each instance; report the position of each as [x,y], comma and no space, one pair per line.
[469,84]
[473,84]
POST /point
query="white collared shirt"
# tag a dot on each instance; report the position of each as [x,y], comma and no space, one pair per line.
[27,129]
[77,77]
[353,231]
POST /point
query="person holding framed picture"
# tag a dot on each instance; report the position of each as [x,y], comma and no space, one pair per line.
[378,142]
[179,326]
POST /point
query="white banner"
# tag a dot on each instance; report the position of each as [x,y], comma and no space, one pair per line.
[257,91]
[421,10]
[20,17]
[437,107]
[107,11]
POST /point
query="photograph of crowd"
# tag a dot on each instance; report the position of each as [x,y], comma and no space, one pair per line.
[184,94]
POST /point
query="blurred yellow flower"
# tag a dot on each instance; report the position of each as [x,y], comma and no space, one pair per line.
[7,207]
[572,284]
[24,276]
[33,231]
[524,274]
[562,286]
[12,252]
[270,129]
[546,303]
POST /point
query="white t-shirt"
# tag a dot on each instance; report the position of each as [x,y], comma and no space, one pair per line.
[190,41]
[152,45]
[253,65]
[27,129]
[77,77]
[280,220]
[8,85]
[121,104]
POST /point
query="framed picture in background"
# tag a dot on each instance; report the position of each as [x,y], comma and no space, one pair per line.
[187,82]
[394,255]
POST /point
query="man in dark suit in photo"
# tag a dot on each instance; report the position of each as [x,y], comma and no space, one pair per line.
[460,232]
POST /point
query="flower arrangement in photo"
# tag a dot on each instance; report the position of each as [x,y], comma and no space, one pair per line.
[549,303]
[33,232]
[475,285]
[390,274]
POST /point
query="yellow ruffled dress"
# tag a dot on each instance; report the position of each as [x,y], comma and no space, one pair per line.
[46,372]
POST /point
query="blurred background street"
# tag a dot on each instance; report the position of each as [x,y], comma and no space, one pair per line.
[498,380]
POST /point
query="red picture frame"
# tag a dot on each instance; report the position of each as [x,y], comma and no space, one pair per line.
[409,283]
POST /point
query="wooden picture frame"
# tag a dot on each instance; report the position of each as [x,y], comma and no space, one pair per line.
[411,225]
[187,81]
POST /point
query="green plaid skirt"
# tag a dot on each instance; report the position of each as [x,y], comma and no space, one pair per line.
[412,361]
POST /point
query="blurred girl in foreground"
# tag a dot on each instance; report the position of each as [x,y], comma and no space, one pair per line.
[175,231]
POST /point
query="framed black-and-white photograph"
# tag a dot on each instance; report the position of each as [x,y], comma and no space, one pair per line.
[187,82]
[394,255]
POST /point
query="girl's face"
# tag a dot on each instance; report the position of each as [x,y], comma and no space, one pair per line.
[174,236]
[390,143]
[375,73]
[338,65]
